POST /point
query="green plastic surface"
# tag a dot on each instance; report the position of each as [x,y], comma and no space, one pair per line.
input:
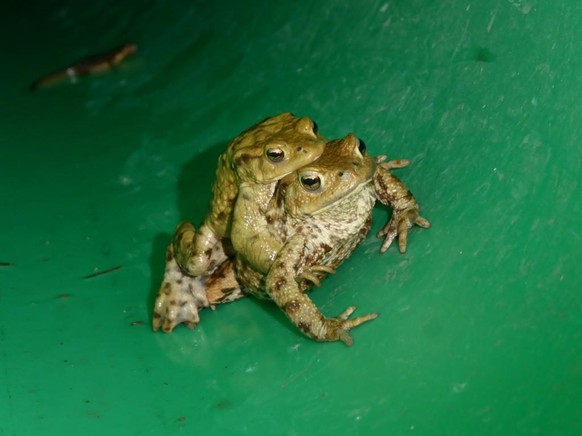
[481,321]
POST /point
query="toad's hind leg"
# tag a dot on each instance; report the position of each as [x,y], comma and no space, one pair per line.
[179,298]
[221,286]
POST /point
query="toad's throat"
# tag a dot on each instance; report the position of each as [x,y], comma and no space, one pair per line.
[355,191]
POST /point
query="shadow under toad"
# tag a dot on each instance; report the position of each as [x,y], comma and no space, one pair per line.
[194,193]
[195,184]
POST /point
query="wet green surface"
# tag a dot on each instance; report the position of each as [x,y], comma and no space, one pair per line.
[481,326]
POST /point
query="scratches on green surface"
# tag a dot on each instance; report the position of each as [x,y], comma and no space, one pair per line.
[100,273]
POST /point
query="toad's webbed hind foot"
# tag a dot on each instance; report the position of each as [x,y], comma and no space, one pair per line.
[179,299]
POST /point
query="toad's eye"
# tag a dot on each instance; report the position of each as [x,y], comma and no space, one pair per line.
[361,146]
[315,128]
[275,154]
[311,182]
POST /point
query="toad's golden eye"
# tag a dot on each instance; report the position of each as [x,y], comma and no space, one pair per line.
[275,154]
[361,146]
[311,182]
[315,128]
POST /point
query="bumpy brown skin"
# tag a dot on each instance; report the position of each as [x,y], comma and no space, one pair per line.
[180,297]
[313,232]
[92,65]
[256,159]
[300,237]
[391,191]
[247,163]
[325,219]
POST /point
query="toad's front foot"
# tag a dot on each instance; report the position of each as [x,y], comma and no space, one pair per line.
[393,164]
[179,299]
[334,329]
[316,273]
[399,225]
[197,252]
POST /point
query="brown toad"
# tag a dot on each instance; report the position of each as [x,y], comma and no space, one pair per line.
[256,159]
[324,212]
[315,219]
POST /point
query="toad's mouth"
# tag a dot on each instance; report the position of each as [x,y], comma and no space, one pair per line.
[346,195]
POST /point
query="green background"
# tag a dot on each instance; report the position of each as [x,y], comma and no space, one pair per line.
[481,325]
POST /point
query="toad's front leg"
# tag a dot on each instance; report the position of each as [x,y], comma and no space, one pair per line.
[392,192]
[196,252]
[282,287]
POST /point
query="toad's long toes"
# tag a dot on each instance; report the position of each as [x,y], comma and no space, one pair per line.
[347,324]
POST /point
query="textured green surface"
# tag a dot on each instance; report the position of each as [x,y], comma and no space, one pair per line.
[481,326]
